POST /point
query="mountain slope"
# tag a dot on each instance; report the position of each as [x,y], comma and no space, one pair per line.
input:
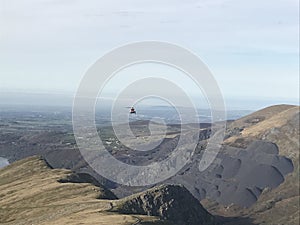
[279,125]
[33,193]
[170,202]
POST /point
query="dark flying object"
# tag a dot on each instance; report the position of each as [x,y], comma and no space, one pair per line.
[132,111]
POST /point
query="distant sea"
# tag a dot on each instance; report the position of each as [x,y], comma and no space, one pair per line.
[3,162]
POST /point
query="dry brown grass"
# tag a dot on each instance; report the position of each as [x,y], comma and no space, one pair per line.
[280,125]
[31,194]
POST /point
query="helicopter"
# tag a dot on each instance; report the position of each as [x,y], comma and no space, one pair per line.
[132,110]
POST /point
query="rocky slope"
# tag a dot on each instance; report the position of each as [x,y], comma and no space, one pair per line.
[169,202]
[280,205]
[33,193]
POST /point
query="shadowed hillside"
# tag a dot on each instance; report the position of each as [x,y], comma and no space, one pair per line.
[279,125]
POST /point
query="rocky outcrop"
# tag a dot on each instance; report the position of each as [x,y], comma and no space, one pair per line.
[169,202]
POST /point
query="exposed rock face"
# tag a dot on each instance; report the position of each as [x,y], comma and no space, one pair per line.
[261,151]
[169,202]
[237,176]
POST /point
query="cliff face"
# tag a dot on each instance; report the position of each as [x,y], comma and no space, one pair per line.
[33,193]
[168,202]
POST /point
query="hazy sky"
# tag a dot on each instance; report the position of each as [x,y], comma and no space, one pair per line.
[252,47]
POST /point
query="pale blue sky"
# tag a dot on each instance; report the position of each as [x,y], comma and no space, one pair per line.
[252,47]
